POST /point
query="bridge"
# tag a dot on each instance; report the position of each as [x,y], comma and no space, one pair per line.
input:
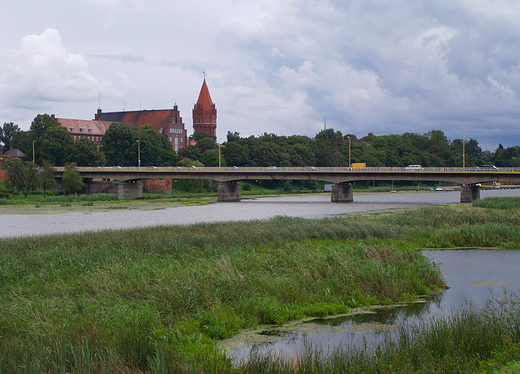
[341,177]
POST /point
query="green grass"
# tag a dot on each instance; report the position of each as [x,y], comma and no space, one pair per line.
[57,199]
[123,293]
[498,203]
[156,299]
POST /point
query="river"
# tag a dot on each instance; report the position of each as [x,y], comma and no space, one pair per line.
[307,206]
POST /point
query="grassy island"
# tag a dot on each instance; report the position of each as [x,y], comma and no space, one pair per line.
[156,300]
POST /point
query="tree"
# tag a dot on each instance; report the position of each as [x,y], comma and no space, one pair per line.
[7,131]
[301,155]
[328,148]
[197,136]
[120,145]
[235,153]
[22,176]
[39,126]
[20,140]
[71,178]
[266,153]
[190,162]
[47,180]
[84,152]
[55,145]
[210,158]
[205,144]
[154,148]
[14,167]
[190,152]
[233,136]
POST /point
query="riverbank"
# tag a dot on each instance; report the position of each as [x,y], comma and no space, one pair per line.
[157,299]
[92,204]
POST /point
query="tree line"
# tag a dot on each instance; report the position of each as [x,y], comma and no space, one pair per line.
[331,148]
[124,145]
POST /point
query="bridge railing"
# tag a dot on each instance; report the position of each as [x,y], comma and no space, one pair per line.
[274,169]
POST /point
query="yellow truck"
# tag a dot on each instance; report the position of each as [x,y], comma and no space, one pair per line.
[358,165]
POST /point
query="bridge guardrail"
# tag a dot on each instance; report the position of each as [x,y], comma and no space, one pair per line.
[290,169]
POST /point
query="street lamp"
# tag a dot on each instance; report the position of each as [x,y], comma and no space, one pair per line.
[219,144]
[349,164]
[464,152]
[33,149]
[138,153]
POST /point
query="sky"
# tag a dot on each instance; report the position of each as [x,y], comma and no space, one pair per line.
[290,67]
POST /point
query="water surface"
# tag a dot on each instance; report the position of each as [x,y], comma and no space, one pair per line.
[306,206]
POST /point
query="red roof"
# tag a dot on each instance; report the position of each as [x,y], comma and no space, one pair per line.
[158,119]
[97,128]
[205,98]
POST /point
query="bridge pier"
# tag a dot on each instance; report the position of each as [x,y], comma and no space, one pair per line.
[229,192]
[469,193]
[342,193]
[129,191]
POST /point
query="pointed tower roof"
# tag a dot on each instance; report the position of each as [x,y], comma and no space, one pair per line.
[204,97]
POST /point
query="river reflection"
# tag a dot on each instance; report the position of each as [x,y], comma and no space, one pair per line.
[474,277]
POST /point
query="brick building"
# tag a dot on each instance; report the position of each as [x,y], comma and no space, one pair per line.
[205,113]
[166,121]
[78,128]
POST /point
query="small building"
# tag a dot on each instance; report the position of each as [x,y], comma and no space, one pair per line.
[12,153]
[3,158]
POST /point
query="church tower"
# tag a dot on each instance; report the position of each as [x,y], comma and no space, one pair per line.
[205,113]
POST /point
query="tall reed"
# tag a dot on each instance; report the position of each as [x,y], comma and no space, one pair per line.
[156,299]
[135,296]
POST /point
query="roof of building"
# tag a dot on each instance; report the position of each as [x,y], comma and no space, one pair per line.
[156,118]
[90,127]
[14,153]
[205,98]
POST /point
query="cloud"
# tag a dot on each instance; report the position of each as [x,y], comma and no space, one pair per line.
[382,67]
[279,66]
[42,71]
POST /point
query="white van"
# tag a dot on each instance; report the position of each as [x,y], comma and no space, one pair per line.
[413,168]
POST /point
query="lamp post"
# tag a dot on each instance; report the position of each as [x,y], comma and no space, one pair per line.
[219,144]
[349,163]
[138,153]
[33,150]
[464,152]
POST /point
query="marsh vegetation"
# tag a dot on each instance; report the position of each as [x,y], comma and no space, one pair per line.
[157,299]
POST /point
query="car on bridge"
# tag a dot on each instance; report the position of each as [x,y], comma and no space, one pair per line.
[413,168]
[489,168]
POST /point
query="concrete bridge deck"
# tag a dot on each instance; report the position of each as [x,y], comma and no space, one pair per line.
[341,177]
